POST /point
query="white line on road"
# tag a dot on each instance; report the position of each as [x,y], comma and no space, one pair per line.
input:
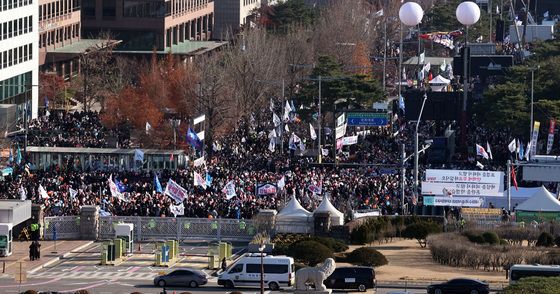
[125,270]
[69,269]
[78,283]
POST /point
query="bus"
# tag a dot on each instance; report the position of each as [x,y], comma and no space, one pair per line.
[519,271]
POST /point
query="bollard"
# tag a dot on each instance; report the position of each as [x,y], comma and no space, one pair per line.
[3,267]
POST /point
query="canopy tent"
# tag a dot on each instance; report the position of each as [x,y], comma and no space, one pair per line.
[293,211]
[541,201]
[337,217]
[439,83]
[518,196]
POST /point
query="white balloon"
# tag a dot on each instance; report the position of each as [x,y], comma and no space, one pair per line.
[468,13]
[411,14]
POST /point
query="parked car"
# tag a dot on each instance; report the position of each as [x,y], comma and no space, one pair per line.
[460,286]
[361,278]
[182,277]
[279,271]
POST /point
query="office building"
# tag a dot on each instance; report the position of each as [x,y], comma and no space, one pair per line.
[19,55]
[232,15]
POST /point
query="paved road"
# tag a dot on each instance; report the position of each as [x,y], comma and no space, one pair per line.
[114,286]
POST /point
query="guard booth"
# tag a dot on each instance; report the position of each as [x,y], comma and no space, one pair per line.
[166,252]
[6,239]
[124,232]
[112,251]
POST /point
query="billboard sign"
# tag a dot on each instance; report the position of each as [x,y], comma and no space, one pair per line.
[367,119]
[463,183]
[453,201]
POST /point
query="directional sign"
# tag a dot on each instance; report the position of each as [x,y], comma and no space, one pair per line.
[368,119]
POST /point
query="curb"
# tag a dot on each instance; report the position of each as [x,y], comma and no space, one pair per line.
[55,259]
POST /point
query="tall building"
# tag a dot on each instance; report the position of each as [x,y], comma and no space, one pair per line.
[231,15]
[19,55]
[143,25]
[59,26]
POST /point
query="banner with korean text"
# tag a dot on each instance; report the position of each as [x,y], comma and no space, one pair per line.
[453,201]
[463,183]
[175,191]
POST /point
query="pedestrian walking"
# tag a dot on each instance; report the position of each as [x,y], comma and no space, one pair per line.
[224,264]
[32,251]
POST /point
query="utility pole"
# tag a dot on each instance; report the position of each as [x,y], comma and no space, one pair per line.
[416,146]
[509,184]
[532,69]
[403,175]
[320,121]
[384,47]
[282,136]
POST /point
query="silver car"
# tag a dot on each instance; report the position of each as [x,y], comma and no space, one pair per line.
[182,277]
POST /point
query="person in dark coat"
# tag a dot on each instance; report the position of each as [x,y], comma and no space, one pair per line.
[224,264]
[32,251]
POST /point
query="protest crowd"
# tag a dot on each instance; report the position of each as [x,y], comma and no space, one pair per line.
[244,159]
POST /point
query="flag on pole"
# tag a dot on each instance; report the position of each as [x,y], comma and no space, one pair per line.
[478,164]
[481,152]
[229,190]
[488,150]
[422,57]
[177,209]
[199,181]
[11,157]
[427,67]
[272,145]
[443,66]
[276,120]
[514,178]
[272,134]
[148,127]
[194,140]
[316,189]
[528,151]
[512,146]
[73,193]
[157,184]
[520,150]
[550,141]
[208,180]
[312,132]
[325,151]
[287,110]
[281,183]
[175,191]
[22,193]
[138,155]
[43,192]
[114,190]
[18,158]
[286,128]
[271,107]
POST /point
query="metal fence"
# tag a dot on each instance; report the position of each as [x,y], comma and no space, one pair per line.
[61,227]
[154,228]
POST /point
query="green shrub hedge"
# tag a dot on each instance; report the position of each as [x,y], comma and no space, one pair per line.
[545,240]
[366,256]
[535,285]
[420,231]
[309,252]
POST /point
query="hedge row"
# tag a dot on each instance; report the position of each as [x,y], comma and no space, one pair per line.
[455,250]
[385,228]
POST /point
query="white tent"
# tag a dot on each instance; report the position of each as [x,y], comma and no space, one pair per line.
[542,200]
[337,217]
[439,83]
[293,211]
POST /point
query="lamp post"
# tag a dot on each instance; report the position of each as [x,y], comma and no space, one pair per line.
[261,250]
[532,69]
[467,13]
[175,122]
[410,14]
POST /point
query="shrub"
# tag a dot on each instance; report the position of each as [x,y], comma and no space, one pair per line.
[81,292]
[491,238]
[331,243]
[30,292]
[534,285]
[420,231]
[545,240]
[309,252]
[557,241]
[366,256]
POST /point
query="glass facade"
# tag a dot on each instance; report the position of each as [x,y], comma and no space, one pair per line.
[11,89]
[144,8]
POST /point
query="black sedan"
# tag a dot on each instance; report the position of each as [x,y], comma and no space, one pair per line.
[460,286]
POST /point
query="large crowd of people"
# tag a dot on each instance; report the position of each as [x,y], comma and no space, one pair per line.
[367,175]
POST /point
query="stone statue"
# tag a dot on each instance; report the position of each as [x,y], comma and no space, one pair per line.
[315,276]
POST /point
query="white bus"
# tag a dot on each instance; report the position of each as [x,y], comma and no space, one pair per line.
[519,271]
[246,272]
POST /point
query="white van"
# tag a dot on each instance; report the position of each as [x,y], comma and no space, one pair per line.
[246,272]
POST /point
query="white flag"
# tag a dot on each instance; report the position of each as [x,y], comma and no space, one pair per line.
[271,105]
[281,183]
[276,120]
[443,66]
[312,132]
[478,164]
[324,151]
[512,146]
[199,181]
[272,134]
[427,67]
[114,190]
[22,193]
[43,193]
[286,128]
[73,193]
[229,190]
[177,209]
[272,145]
[528,150]
[287,110]
[488,150]
[148,127]
[422,57]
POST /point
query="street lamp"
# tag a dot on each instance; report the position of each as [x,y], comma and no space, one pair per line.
[532,69]
[410,14]
[175,123]
[261,250]
[415,192]
[467,13]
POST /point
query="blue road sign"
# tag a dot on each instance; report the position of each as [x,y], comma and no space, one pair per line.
[367,119]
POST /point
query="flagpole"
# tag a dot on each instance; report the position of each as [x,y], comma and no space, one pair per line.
[282,132]
[320,121]
[509,184]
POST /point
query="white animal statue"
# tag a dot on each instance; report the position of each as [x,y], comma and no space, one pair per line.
[315,275]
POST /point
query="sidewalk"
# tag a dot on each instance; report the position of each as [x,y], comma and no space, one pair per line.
[20,255]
